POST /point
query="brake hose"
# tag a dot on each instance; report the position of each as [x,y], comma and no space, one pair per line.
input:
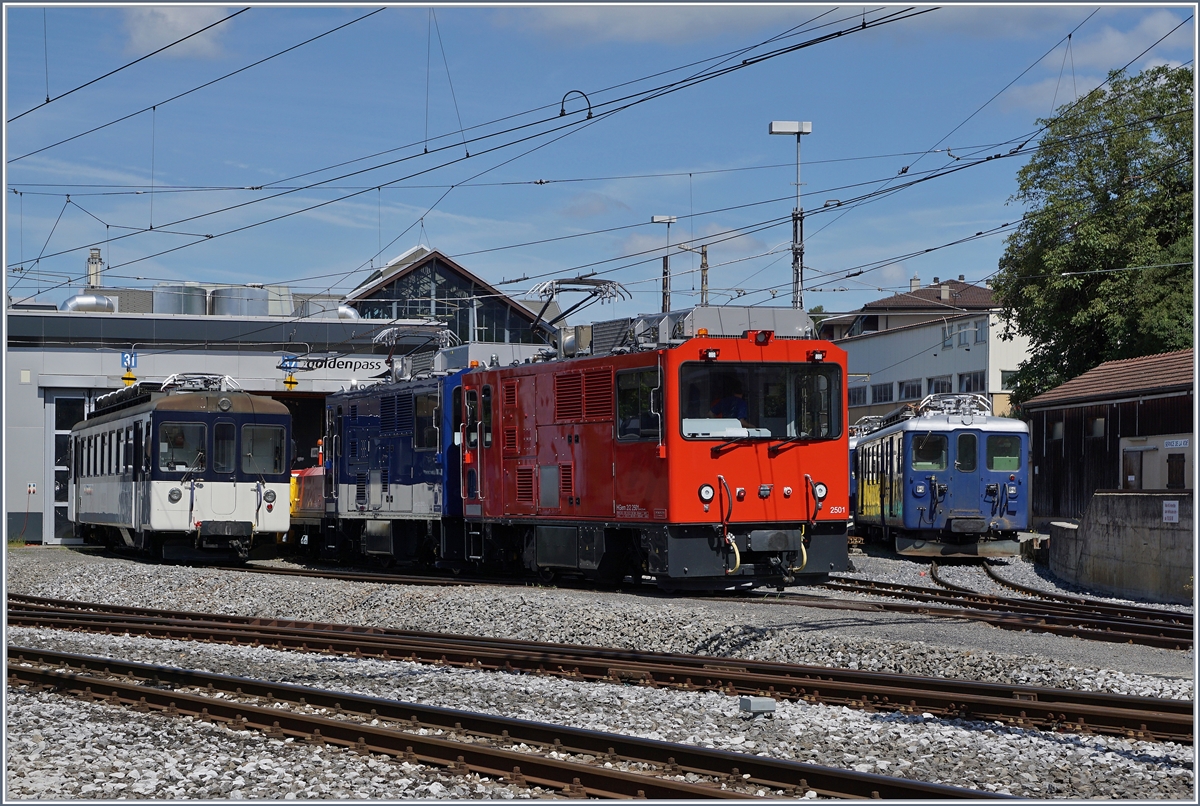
[729,541]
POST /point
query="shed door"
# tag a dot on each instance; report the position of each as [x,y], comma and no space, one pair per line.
[1131,470]
[1175,466]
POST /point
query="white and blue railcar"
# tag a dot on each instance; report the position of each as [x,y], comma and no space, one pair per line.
[944,478]
[190,468]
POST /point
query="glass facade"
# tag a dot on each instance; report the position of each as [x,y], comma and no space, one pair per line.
[436,289]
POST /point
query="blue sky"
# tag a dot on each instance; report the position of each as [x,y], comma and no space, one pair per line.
[374,95]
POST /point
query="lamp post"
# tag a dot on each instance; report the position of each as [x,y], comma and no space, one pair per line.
[797,128]
[666,284]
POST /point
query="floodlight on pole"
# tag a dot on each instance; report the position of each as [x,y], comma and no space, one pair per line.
[798,128]
[666,281]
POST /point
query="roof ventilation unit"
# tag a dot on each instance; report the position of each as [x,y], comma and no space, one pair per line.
[89,303]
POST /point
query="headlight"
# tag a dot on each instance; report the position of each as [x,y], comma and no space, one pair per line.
[707,493]
[269,496]
[174,494]
[821,491]
[919,489]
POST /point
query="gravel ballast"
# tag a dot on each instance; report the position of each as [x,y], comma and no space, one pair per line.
[990,757]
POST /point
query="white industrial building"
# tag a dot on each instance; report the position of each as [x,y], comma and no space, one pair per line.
[944,337]
[294,348]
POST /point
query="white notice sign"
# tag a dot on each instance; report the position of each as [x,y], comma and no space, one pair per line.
[1170,512]
[1175,443]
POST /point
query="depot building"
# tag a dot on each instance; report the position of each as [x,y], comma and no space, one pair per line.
[295,348]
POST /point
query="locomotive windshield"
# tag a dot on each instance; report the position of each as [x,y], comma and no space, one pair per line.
[929,451]
[774,401]
[181,446]
[262,449]
[1003,452]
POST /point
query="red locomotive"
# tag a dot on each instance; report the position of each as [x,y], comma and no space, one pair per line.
[705,448]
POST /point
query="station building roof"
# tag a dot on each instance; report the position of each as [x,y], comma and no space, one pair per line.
[425,282]
[1128,377]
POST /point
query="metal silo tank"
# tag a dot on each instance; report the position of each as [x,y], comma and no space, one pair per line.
[239,301]
[184,298]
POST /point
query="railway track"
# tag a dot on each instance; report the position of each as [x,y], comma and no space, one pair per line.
[1139,611]
[1018,706]
[1089,620]
[1070,616]
[575,762]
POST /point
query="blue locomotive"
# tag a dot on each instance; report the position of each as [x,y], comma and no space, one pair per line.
[943,478]
[388,484]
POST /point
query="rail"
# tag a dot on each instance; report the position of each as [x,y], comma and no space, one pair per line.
[1018,706]
[577,762]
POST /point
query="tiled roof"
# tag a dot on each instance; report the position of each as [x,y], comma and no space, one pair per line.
[935,322]
[1127,377]
[962,295]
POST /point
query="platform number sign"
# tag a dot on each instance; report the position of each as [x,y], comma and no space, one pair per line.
[129,360]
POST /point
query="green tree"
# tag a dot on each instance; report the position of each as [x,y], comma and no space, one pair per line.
[1100,266]
[817,312]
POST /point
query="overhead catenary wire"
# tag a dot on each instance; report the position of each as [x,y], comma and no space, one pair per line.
[195,89]
[880,264]
[637,99]
[124,66]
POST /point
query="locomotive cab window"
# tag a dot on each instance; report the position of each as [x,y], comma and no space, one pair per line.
[638,405]
[262,449]
[425,437]
[224,451]
[929,451]
[181,446]
[770,401]
[1003,452]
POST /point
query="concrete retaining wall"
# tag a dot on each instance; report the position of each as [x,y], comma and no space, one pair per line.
[1123,546]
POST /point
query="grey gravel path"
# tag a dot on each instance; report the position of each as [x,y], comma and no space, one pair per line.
[59,748]
[986,756]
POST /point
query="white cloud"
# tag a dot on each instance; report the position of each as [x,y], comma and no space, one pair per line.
[577,24]
[590,203]
[151,28]
[893,274]
[1111,48]
[1050,93]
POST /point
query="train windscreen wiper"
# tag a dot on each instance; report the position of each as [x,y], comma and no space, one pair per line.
[781,445]
[716,449]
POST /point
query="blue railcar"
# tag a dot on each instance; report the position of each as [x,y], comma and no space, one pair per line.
[391,477]
[944,478]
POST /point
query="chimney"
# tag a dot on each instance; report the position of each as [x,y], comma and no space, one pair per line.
[936,281]
[962,278]
[915,283]
[94,266]
[945,291]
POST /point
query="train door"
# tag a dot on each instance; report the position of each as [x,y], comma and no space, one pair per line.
[222,496]
[889,475]
[469,442]
[138,475]
[639,426]
[964,493]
